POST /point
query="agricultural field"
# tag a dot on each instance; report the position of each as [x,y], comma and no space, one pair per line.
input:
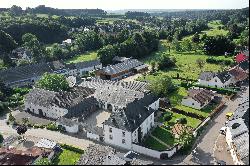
[88,56]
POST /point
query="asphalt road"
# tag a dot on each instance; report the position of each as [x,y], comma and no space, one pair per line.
[203,154]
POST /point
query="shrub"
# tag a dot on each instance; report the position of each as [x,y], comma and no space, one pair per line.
[72,148]
[182,121]
[52,126]
[167,116]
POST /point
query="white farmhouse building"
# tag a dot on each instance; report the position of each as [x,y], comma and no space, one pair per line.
[220,80]
[54,105]
[198,98]
[129,125]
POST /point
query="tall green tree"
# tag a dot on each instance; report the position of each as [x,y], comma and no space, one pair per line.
[53,82]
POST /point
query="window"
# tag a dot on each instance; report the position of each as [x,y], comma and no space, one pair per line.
[215,80]
[110,130]
[123,141]
[123,133]
[110,137]
[192,103]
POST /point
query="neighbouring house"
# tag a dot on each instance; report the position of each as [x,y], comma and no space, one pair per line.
[67,42]
[244,55]
[238,74]
[24,75]
[237,134]
[105,155]
[121,70]
[118,59]
[78,102]
[198,98]
[244,65]
[21,53]
[220,80]
[27,75]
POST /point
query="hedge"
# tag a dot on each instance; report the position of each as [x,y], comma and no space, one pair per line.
[219,90]
[227,62]
[72,148]
[190,114]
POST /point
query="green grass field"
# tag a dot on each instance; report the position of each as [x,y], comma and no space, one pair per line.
[152,143]
[192,122]
[164,135]
[84,57]
[67,157]
[214,31]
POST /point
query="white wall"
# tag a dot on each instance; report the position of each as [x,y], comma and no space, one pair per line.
[50,112]
[191,103]
[93,136]
[153,153]
[218,84]
[117,137]
[155,105]
[70,129]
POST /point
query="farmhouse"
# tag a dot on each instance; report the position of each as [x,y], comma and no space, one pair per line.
[122,70]
[77,103]
[239,74]
[198,98]
[220,80]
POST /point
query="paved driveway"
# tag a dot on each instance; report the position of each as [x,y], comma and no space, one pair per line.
[43,133]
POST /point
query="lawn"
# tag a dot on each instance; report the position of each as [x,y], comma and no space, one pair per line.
[164,135]
[67,157]
[214,31]
[152,143]
[84,57]
[192,122]
[186,64]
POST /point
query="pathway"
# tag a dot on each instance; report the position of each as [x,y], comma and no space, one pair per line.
[160,141]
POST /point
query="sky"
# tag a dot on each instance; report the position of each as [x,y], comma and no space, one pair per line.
[129,4]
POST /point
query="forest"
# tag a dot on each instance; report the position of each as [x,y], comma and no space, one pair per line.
[41,30]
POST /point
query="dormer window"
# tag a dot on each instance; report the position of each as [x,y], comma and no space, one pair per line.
[215,80]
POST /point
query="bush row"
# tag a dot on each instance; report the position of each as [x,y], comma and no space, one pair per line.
[227,62]
[219,90]
[190,114]
[72,148]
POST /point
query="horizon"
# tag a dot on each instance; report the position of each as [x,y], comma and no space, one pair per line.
[130,4]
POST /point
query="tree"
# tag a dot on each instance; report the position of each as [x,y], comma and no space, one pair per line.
[43,161]
[162,86]
[166,62]
[106,54]
[186,45]
[25,121]
[200,63]
[177,45]
[218,45]
[11,118]
[21,130]
[186,139]
[153,64]
[53,82]
[196,38]
[31,43]
[7,43]
[16,10]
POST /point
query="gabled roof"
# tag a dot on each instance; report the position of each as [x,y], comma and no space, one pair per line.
[131,117]
[238,73]
[120,67]
[244,65]
[24,72]
[224,76]
[207,76]
[200,95]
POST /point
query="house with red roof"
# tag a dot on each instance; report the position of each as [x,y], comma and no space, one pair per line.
[242,56]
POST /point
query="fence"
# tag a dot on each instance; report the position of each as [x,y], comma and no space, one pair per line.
[154,153]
